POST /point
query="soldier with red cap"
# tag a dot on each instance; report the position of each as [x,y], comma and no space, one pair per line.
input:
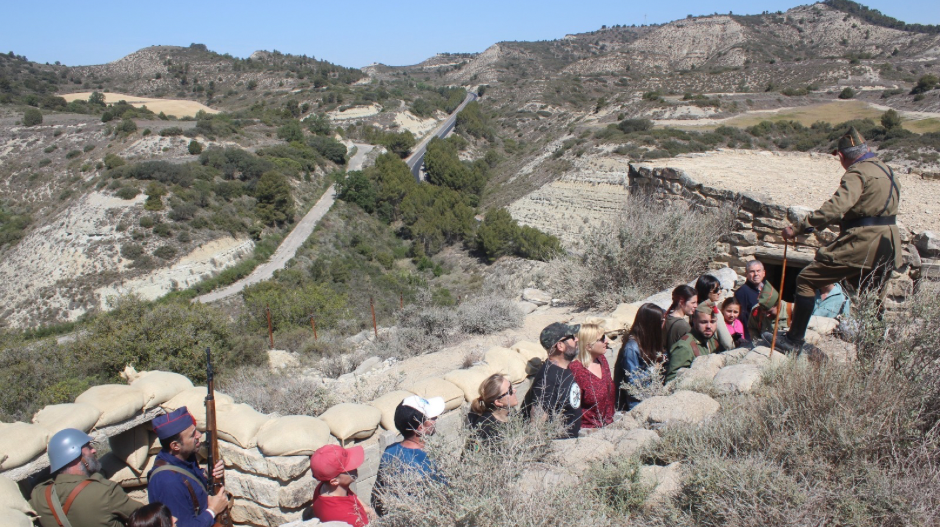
[176,480]
[336,468]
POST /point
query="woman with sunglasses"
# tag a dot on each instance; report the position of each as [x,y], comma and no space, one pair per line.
[491,409]
[592,373]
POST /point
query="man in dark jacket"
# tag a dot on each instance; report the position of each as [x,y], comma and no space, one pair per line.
[176,480]
[554,390]
[866,207]
[747,294]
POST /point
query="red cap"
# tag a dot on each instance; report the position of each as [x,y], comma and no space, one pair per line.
[332,460]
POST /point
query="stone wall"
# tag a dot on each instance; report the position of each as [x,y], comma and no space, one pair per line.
[757,225]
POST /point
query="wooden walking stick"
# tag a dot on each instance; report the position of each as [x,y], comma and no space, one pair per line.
[783,275]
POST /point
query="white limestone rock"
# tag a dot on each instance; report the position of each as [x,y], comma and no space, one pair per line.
[740,378]
[252,461]
[683,406]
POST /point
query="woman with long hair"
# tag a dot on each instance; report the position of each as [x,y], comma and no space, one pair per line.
[642,351]
[491,408]
[592,373]
[684,302]
[155,514]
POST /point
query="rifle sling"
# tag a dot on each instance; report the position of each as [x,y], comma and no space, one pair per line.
[163,466]
[58,511]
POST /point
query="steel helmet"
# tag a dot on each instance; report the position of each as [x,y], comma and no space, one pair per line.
[66,446]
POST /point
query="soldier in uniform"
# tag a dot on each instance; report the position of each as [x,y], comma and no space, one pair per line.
[764,315]
[702,340]
[866,207]
[78,495]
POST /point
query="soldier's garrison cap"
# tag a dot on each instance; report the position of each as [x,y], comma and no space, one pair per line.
[708,307]
[850,139]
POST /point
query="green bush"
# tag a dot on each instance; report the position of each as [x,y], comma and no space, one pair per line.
[131,251]
[847,93]
[50,149]
[924,84]
[88,148]
[44,162]
[291,306]
[72,154]
[112,161]
[291,132]
[165,252]
[162,230]
[127,126]
[147,222]
[635,125]
[172,131]
[32,117]
[275,204]
[126,335]
[195,148]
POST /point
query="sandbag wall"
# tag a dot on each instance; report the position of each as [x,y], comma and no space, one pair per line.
[266,456]
[756,231]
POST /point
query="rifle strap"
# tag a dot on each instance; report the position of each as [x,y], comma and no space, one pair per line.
[58,511]
[163,466]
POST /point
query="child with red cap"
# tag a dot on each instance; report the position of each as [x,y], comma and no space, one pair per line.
[336,468]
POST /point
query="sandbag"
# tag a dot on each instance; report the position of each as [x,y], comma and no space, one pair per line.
[154,443]
[387,404]
[113,468]
[507,362]
[194,399]
[116,402]
[20,443]
[529,350]
[293,435]
[15,518]
[469,380]
[56,417]
[352,420]
[132,446]
[437,387]
[11,498]
[159,387]
[239,424]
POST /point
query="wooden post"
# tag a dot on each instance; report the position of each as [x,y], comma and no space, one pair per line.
[270,326]
[375,326]
[780,307]
[313,324]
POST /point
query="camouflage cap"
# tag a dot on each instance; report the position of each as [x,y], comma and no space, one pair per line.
[850,139]
[556,331]
[707,307]
[768,297]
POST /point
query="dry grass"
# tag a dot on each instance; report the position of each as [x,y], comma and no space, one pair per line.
[276,392]
[654,246]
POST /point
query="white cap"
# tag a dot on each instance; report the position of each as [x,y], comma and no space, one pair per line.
[431,408]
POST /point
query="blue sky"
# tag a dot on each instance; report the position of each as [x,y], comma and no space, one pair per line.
[348,33]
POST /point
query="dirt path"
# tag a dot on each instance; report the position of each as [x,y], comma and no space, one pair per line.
[294,240]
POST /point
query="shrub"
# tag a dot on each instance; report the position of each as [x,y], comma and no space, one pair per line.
[162,230]
[32,117]
[651,248]
[172,131]
[847,93]
[147,222]
[286,394]
[131,251]
[44,162]
[88,148]
[165,252]
[127,126]
[291,306]
[924,84]
[195,148]
[635,125]
[291,132]
[72,154]
[126,335]
[112,161]
[50,149]
[891,119]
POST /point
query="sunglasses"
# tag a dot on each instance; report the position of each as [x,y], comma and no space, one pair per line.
[603,339]
[511,391]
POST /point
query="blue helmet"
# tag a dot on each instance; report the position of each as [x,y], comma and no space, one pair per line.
[66,446]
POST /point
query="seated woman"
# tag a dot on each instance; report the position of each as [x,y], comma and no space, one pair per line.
[155,514]
[642,351]
[592,373]
[490,410]
[684,302]
[708,288]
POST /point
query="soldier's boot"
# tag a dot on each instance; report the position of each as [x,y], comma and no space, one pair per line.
[792,341]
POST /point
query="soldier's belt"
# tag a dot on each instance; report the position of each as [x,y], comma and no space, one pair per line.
[868,221]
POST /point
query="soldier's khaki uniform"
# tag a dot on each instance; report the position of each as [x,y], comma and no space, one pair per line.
[102,503]
[760,319]
[691,345]
[866,191]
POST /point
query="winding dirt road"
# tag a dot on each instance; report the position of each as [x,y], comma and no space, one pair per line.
[294,240]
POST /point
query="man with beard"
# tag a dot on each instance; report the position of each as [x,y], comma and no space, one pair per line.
[554,390]
[176,480]
[702,340]
[78,494]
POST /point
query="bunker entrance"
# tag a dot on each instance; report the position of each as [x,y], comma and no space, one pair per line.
[773,264]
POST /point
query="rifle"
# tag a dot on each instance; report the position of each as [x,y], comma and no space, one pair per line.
[224,519]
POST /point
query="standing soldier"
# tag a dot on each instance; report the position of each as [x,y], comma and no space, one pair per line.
[78,495]
[866,206]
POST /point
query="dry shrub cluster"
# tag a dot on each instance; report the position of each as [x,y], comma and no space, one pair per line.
[651,246]
[278,392]
[843,444]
